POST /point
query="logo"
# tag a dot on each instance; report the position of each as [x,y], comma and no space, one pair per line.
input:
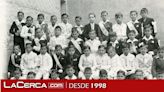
[55,85]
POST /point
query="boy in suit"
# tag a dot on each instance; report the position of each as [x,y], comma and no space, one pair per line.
[79,26]
[91,26]
[105,26]
[145,20]
[135,25]
[16,29]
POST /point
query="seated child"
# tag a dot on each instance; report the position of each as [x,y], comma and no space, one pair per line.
[45,63]
[17,74]
[57,39]
[149,40]
[93,42]
[128,59]
[87,60]
[120,27]
[158,63]
[139,75]
[31,75]
[115,43]
[144,60]
[54,75]
[87,75]
[29,61]
[15,60]
[115,62]
[102,58]
[72,59]
[133,42]
[121,75]
[103,74]
[70,73]
[40,37]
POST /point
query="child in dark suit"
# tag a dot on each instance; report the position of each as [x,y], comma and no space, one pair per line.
[72,59]
[149,40]
[16,30]
[145,20]
[91,26]
[135,25]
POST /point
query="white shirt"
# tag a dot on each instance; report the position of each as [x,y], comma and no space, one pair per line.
[102,61]
[52,29]
[114,43]
[116,64]
[133,47]
[27,32]
[129,62]
[45,62]
[94,44]
[73,77]
[66,29]
[29,60]
[147,39]
[92,26]
[144,62]
[60,40]
[120,30]
[87,61]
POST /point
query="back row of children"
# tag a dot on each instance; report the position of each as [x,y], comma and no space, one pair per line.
[92,50]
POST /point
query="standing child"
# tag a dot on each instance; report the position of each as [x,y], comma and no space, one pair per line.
[87,60]
[105,26]
[15,60]
[144,60]
[149,40]
[28,31]
[79,27]
[29,61]
[45,63]
[16,30]
[120,27]
[91,26]
[52,25]
[76,41]
[132,42]
[145,20]
[65,26]
[93,42]
[158,63]
[135,25]
[40,20]
[70,73]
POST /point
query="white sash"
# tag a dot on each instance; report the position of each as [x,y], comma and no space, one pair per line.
[75,43]
[103,29]
[131,27]
[57,61]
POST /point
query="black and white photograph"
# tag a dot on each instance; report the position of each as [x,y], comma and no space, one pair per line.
[82,39]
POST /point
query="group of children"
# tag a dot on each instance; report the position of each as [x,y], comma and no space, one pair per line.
[94,51]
